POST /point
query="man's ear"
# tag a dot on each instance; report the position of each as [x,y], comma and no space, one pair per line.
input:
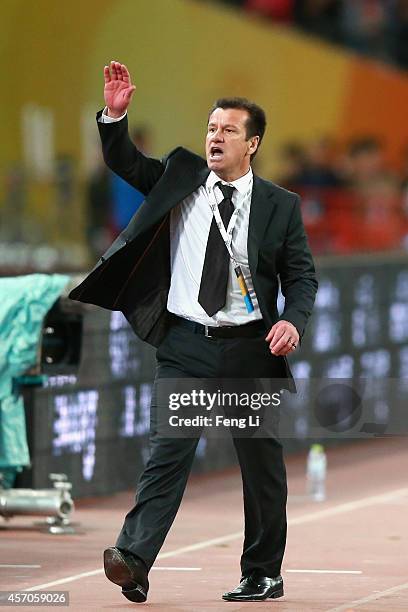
[253,144]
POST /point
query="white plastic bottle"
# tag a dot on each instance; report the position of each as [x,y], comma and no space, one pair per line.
[316,472]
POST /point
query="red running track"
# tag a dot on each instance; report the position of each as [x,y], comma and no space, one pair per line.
[347,553]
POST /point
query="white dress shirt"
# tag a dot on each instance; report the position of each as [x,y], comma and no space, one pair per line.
[190,223]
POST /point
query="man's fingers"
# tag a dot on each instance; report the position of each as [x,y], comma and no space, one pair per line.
[106,74]
[118,72]
[125,74]
[283,349]
[288,348]
[286,344]
[270,334]
[281,337]
[276,341]
[114,72]
[275,333]
[280,344]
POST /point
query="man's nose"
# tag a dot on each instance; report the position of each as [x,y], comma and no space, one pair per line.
[217,136]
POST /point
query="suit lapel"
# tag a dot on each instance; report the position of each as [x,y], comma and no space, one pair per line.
[182,184]
[171,193]
[262,208]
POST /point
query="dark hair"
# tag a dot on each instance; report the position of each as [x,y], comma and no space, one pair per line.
[256,122]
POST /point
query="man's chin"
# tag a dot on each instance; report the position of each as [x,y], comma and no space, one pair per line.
[217,165]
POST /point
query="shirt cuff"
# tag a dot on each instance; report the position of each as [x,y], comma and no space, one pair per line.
[104,118]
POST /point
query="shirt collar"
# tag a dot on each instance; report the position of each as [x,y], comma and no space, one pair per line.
[241,184]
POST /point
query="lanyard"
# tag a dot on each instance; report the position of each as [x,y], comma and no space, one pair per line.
[226,235]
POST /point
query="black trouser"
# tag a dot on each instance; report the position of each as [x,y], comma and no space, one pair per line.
[161,486]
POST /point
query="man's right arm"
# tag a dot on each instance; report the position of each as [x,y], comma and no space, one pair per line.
[119,152]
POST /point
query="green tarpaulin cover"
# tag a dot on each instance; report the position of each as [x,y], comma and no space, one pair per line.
[24,302]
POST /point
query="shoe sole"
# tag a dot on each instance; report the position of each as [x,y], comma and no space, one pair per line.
[137,594]
[117,571]
[275,595]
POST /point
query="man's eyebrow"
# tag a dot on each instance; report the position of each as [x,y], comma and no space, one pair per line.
[228,125]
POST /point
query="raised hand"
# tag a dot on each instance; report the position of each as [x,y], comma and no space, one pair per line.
[118,90]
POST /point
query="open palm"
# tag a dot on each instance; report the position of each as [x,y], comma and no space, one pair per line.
[118,90]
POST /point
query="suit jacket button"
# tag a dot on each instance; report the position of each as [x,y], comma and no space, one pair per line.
[102,259]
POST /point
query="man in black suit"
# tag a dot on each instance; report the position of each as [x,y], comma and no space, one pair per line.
[177,272]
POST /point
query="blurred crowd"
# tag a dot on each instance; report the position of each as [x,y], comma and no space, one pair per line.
[352,199]
[377,28]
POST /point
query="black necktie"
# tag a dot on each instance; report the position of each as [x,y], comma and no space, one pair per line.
[214,277]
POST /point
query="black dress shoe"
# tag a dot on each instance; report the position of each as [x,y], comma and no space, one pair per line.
[256,588]
[127,571]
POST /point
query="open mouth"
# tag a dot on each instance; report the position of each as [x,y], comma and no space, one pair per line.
[216,153]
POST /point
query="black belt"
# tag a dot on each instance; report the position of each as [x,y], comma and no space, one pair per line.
[249,330]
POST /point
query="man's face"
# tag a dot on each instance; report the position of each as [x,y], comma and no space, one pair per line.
[227,149]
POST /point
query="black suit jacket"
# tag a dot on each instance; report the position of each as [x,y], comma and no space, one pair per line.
[134,274]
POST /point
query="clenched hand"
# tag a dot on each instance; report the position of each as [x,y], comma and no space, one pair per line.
[283,338]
